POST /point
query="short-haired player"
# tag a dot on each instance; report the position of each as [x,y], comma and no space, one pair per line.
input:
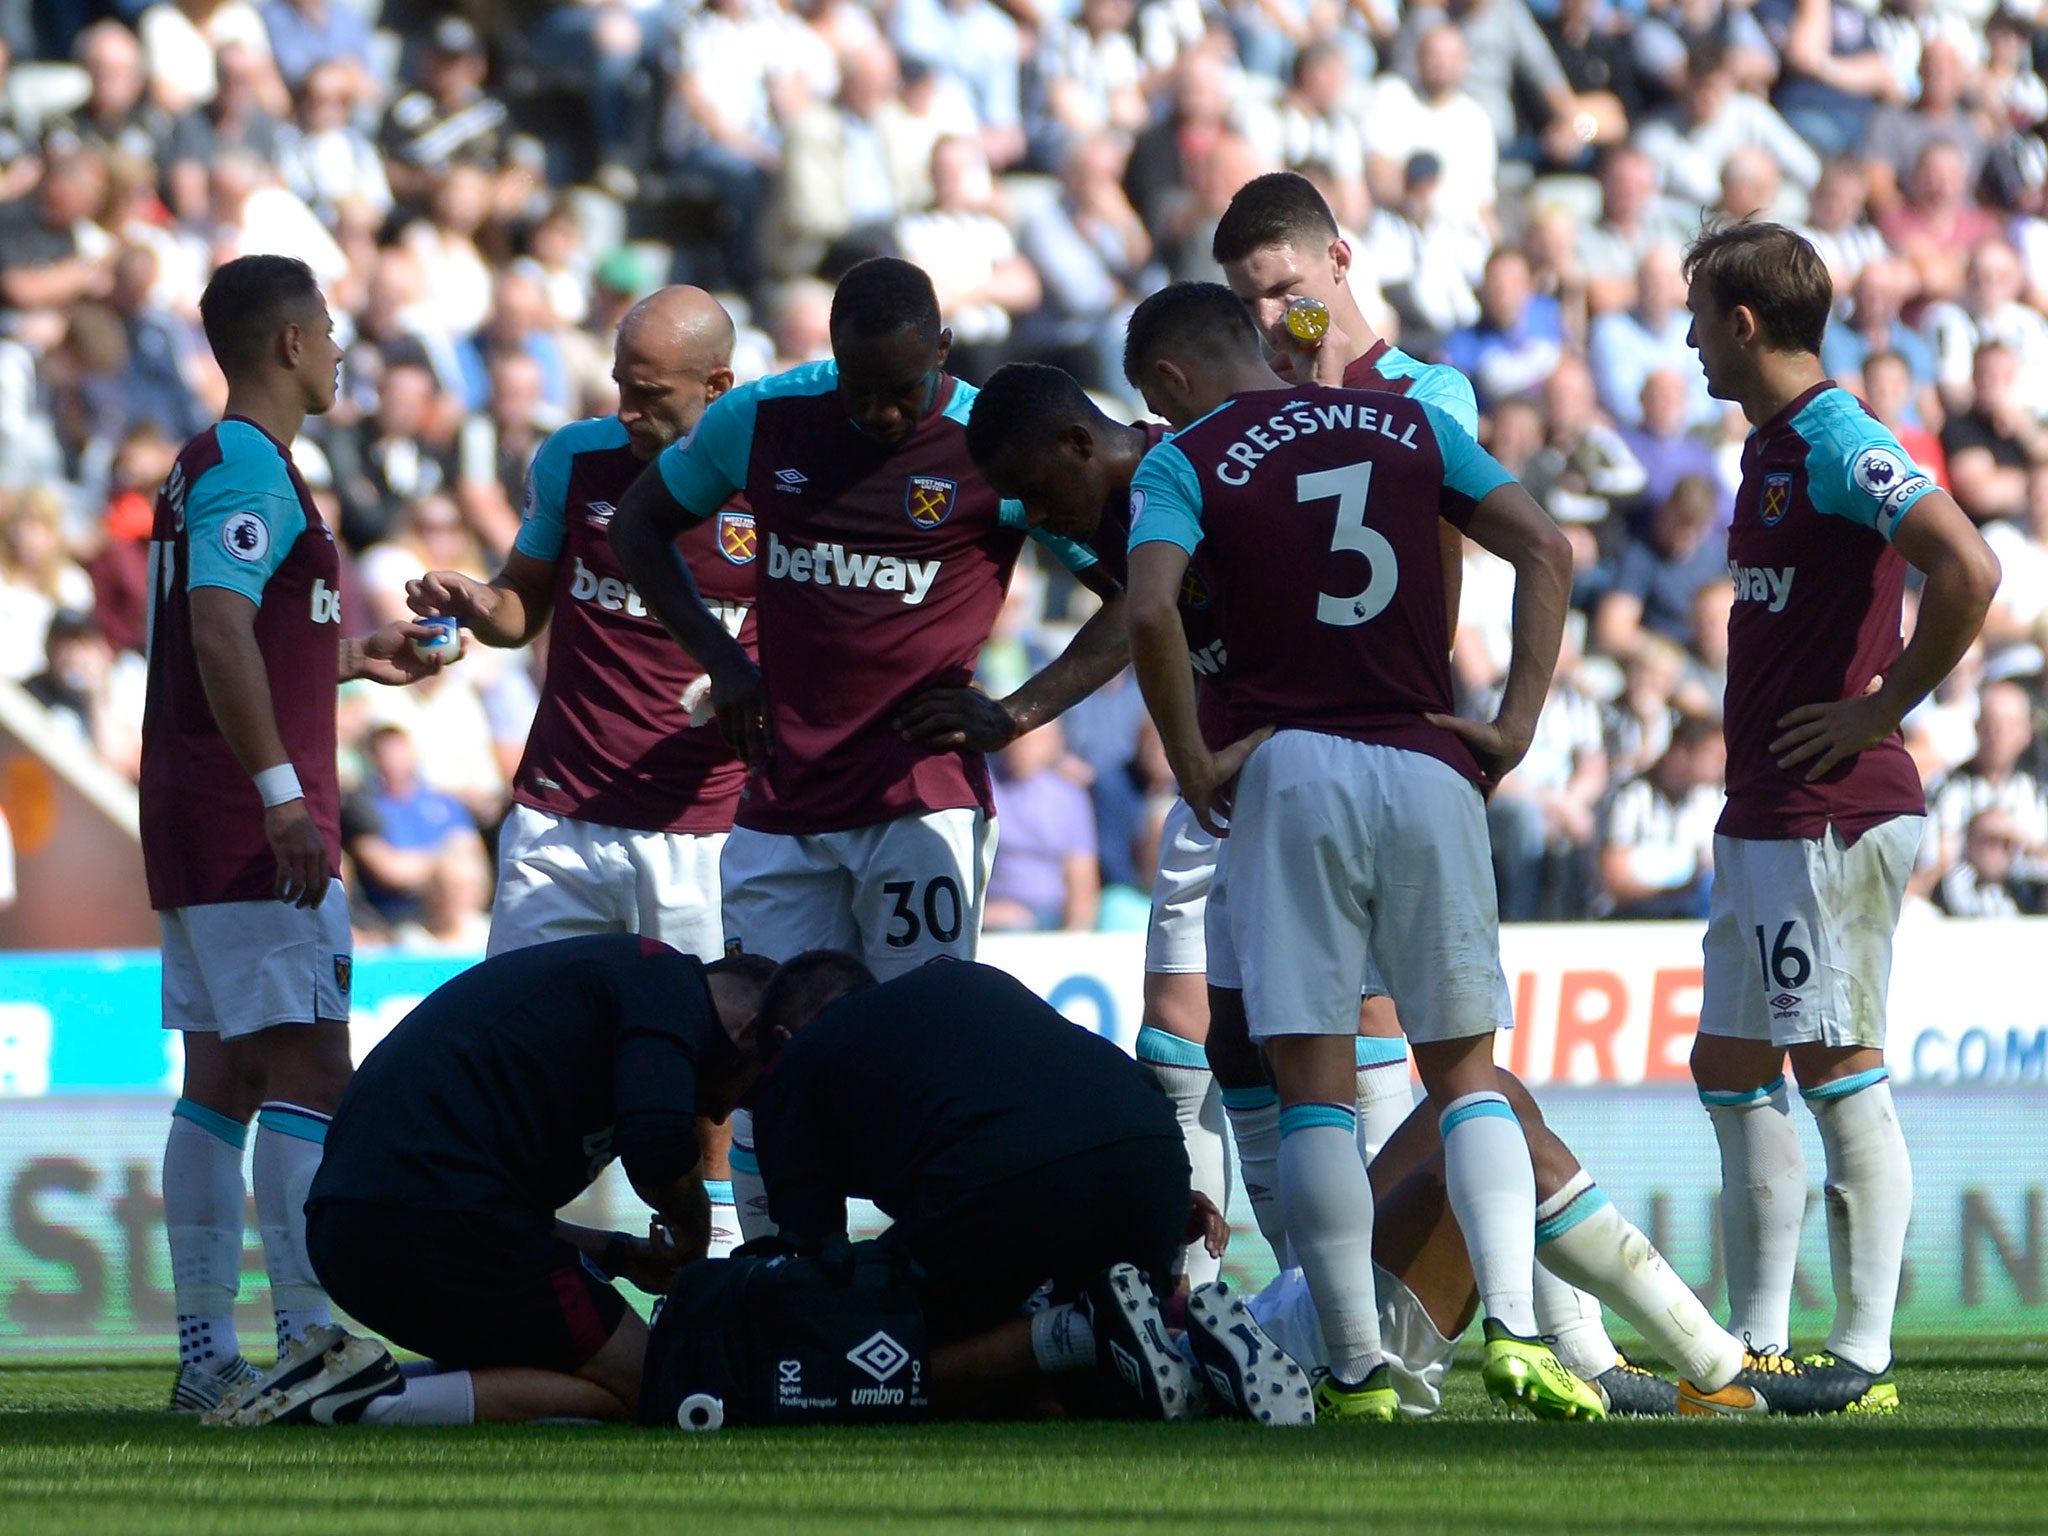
[241,836]
[1824,809]
[883,562]
[624,797]
[1358,857]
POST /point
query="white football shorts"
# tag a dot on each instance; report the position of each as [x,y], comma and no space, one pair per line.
[1799,935]
[1417,1354]
[559,878]
[235,967]
[1175,941]
[897,894]
[1354,868]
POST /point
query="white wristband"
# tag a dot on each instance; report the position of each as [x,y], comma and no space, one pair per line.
[279,784]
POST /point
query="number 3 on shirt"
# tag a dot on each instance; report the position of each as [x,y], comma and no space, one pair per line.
[1350,485]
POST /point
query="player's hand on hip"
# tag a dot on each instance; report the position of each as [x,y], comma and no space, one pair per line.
[950,719]
[440,593]
[1498,747]
[1210,784]
[1825,736]
[387,655]
[302,868]
[741,704]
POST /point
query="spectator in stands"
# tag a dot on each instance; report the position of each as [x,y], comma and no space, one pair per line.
[100,712]
[1993,445]
[1600,68]
[51,253]
[1045,875]
[1938,223]
[37,578]
[1899,133]
[1692,145]
[1987,880]
[1544,818]
[429,534]
[119,569]
[307,34]
[1705,684]
[1633,221]
[1089,79]
[978,46]
[1667,448]
[1639,721]
[1165,158]
[1877,300]
[399,455]
[117,115]
[1629,345]
[1657,859]
[1511,63]
[1993,308]
[1437,115]
[848,167]
[1584,471]
[1433,285]
[166,358]
[1887,388]
[449,120]
[2019,613]
[235,119]
[1662,570]
[981,278]
[1995,778]
[1833,74]
[398,831]
[1837,221]
[1664,38]
[1519,338]
[1317,124]
[1094,262]
[495,449]
[326,159]
[185,44]
[723,129]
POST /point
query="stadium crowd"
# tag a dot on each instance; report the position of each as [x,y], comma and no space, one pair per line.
[484,193]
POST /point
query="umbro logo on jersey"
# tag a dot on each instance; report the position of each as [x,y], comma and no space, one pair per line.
[791,479]
[599,513]
[929,499]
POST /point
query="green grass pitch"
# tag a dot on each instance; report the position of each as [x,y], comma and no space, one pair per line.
[83,1450]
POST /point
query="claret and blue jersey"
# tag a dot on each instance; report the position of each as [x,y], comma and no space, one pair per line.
[1818,590]
[881,572]
[1315,512]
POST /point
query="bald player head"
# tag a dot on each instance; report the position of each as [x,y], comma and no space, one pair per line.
[673,358]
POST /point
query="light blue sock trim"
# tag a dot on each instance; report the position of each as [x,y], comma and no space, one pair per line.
[744,1161]
[718,1191]
[1591,1201]
[1373,1051]
[213,1122]
[1250,1098]
[1842,1087]
[1718,1098]
[1157,1048]
[1471,1107]
[299,1124]
[1305,1117]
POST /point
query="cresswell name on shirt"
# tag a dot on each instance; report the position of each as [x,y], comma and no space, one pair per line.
[1768,584]
[834,565]
[616,596]
[1300,418]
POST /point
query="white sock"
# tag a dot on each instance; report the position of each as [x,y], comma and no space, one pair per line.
[1585,1242]
[1327,1200]
[1763,1206]
[205,1205]
[1255,1126]
[1492,1190]
[1385,1098]
[1182,1071]
[1062,1340]
[1870,1200]
[749,1194]
[445,1397]
[725,1219]
[289,1139]
[1572,1322]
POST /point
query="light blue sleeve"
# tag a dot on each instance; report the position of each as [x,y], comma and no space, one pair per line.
[704,470]
[1166,500]
[1855,469]
[1450,392]
[544,525]
[1075,557]
[1469,470]
[242,518]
